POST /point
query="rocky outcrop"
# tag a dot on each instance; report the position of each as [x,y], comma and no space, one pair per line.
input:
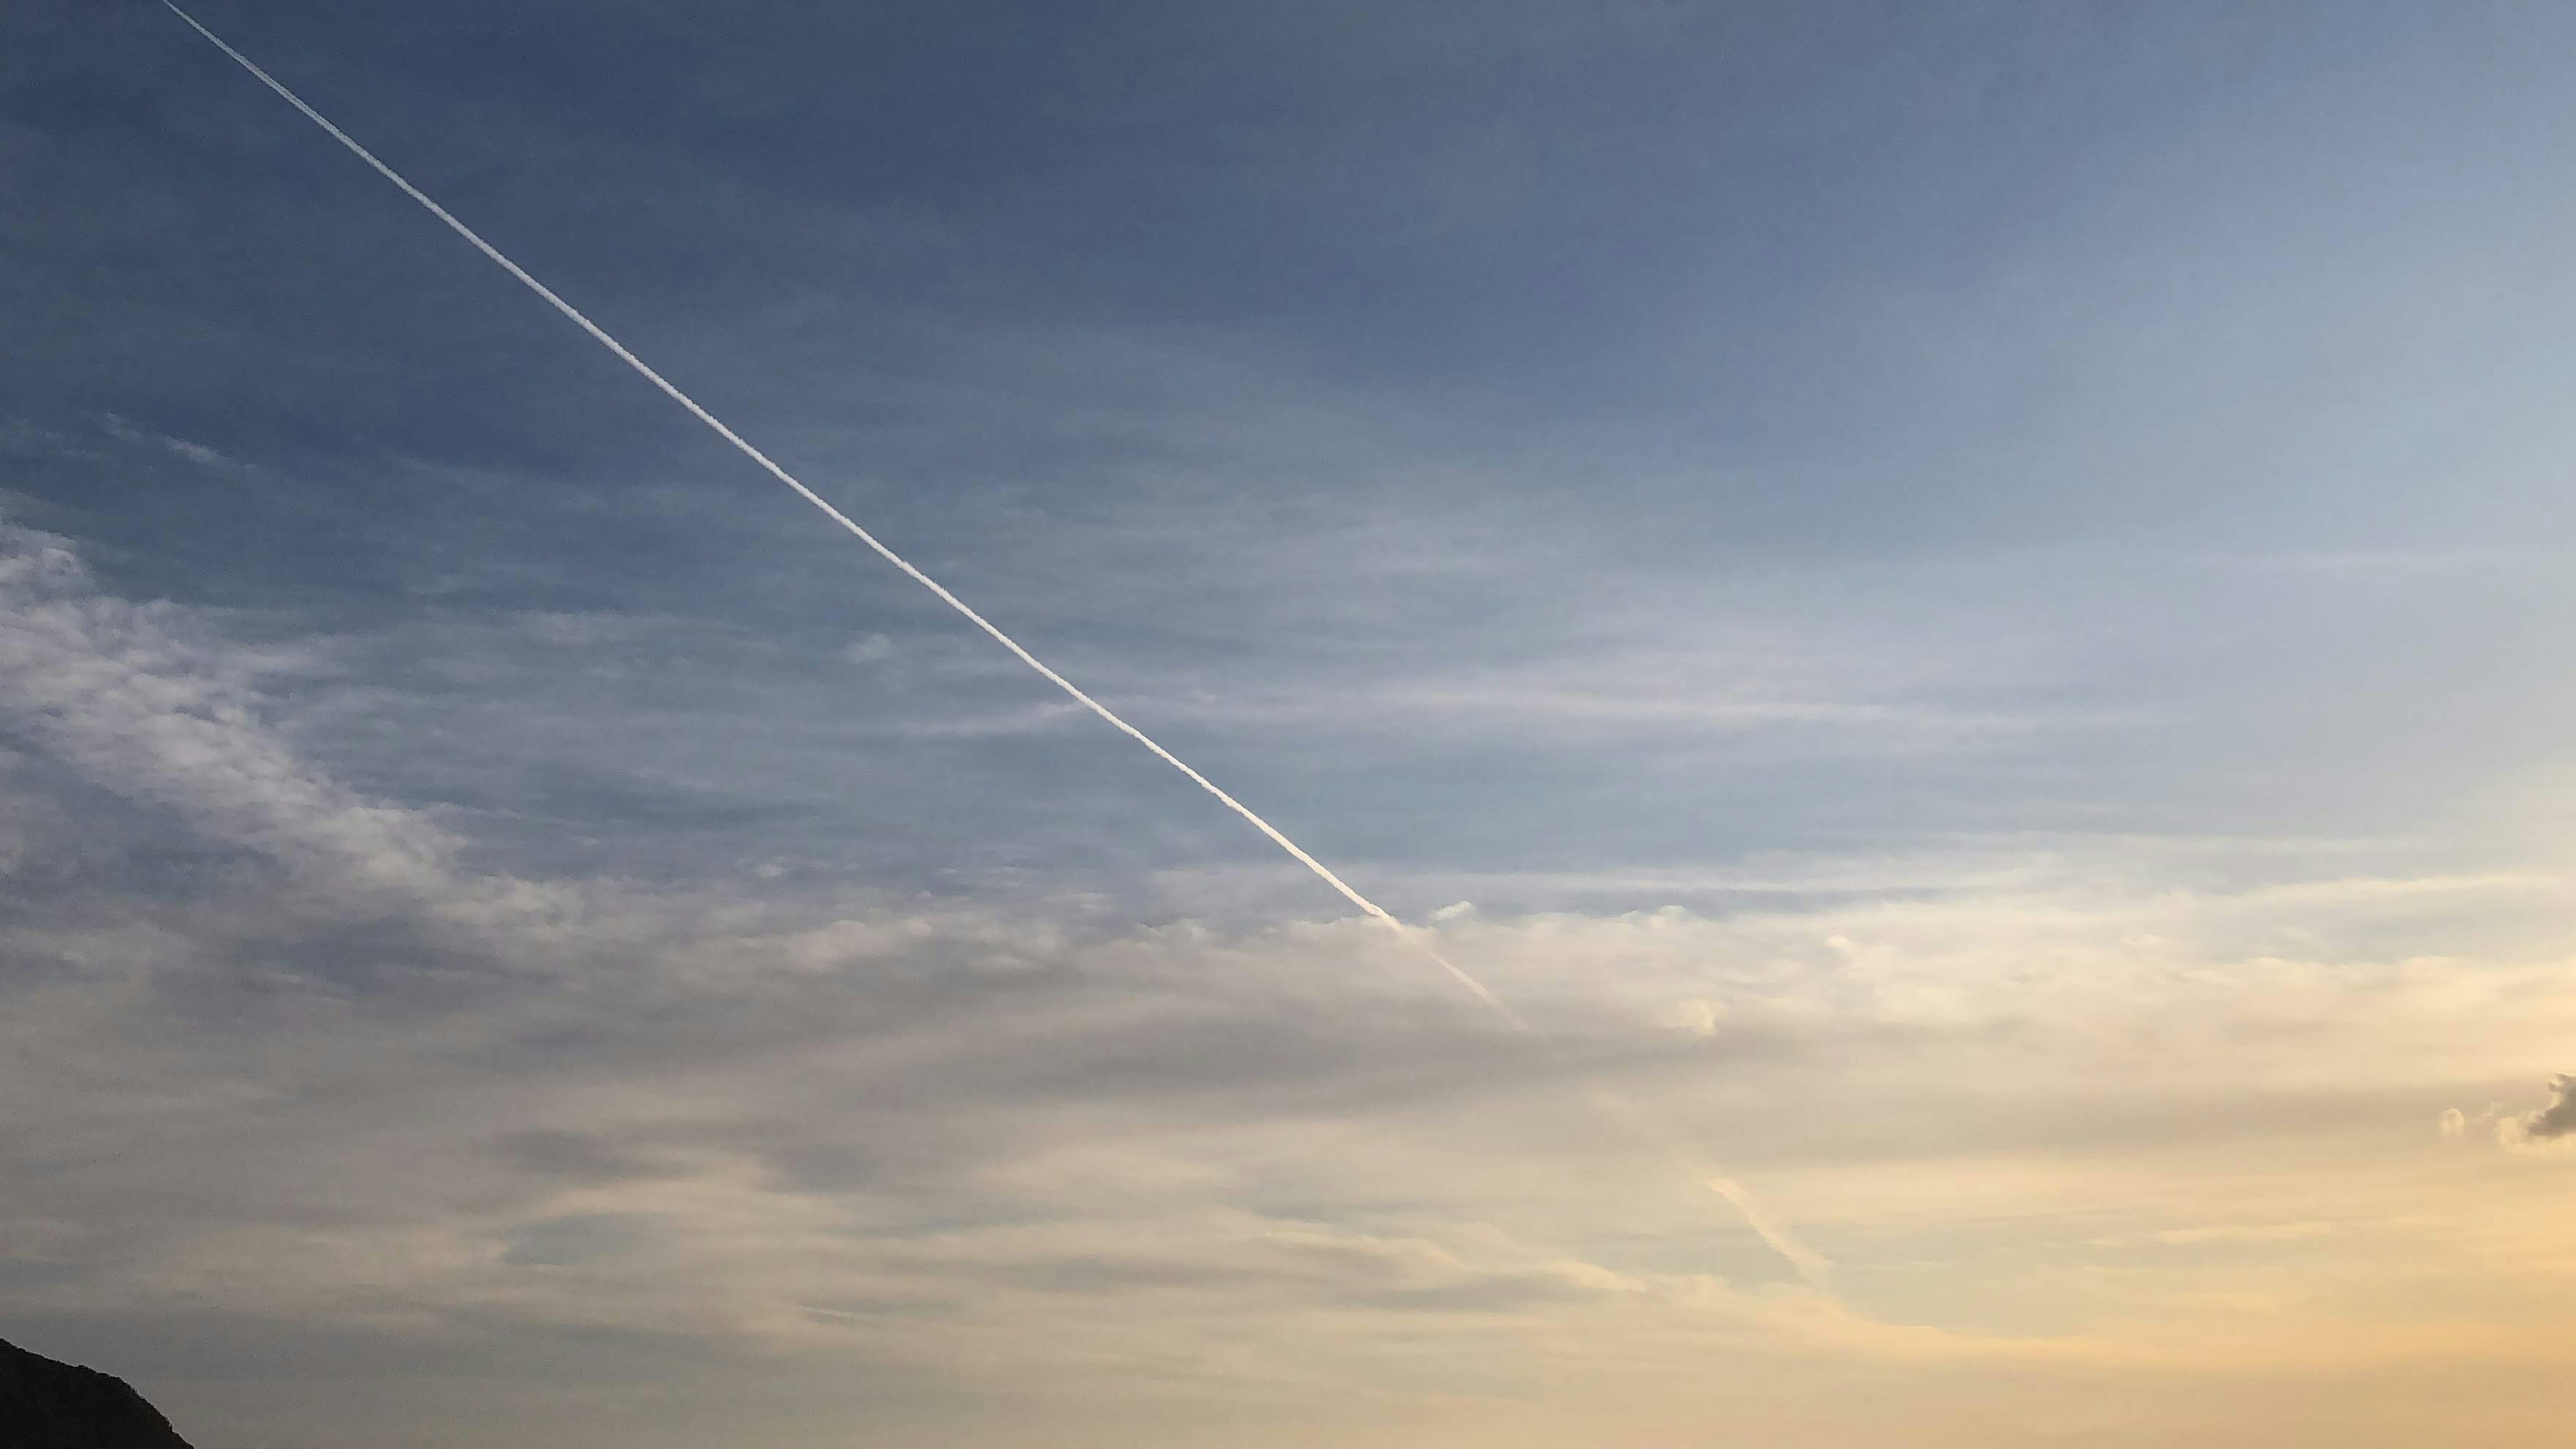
[49,1405]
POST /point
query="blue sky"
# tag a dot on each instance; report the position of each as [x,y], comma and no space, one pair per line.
[1965,603]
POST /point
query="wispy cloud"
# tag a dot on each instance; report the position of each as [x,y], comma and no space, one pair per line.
[141,699]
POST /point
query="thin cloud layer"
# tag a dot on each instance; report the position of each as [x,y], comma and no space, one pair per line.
[1008,1151]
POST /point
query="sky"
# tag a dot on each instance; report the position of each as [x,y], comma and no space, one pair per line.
[1963,606]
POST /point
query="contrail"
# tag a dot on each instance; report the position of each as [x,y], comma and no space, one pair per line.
[1811,1265]
[1804,1260]
[600,335]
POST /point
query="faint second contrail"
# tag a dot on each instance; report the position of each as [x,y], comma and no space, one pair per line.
[1807,1262]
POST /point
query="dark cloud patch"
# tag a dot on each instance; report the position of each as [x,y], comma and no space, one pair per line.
[574,1241]
[2556,1120]
[574,1156]
[1101,1277]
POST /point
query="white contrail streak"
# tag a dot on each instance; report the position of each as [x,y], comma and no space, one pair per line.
[1804,1260]
[600,335]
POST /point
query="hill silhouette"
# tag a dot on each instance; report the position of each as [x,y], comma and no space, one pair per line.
[49,1405]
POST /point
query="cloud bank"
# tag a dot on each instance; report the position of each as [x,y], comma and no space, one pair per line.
[282,1058]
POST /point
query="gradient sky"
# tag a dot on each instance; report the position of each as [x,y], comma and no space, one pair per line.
[1967,605]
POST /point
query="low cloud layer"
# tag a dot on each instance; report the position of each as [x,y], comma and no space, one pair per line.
[281,1056]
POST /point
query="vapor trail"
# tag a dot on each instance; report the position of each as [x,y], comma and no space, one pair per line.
[1804,1260]
[600,335]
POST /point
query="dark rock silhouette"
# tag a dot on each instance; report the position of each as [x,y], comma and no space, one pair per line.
[49,1405]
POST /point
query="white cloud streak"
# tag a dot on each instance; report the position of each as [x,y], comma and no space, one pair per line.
[124,692]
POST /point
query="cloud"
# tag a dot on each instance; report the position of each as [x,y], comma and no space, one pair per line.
[2547,1124]
[147,701]
[192,451]
[990,1143]
[1698,1016]
[2244,1233]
